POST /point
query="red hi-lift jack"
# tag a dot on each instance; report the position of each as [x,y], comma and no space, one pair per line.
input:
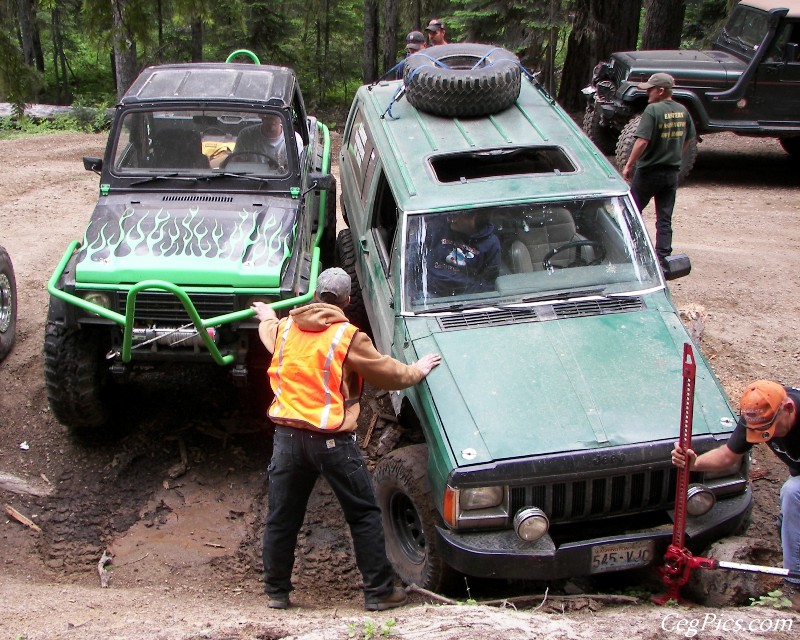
[678,560]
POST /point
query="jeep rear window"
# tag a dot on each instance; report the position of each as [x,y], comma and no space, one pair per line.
[497,163]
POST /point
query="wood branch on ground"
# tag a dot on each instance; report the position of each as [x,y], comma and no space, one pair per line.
[101,569]
[539,599]
[22,519]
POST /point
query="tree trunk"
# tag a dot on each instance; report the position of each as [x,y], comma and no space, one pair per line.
[663,24]
[197,38]
[124,47]
[599,29]
[25,15]
[369,69]
[390,17]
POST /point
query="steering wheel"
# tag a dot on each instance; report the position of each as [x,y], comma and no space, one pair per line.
[263,158]
[600,253]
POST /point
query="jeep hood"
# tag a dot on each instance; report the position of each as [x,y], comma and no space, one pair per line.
[537,388]
[213,241]
[689,67]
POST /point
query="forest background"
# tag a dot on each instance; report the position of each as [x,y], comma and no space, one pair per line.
[87,52]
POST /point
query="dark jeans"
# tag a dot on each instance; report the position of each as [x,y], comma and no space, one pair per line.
[299,457]
[660,184]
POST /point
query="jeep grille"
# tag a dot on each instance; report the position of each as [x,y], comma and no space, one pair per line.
[604,496]
[541,313]
[165,307]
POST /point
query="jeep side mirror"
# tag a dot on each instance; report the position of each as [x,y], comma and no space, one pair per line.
[91,163]
[677,266]
[322,181]
[790,52]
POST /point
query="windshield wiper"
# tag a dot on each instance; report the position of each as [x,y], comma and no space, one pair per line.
[459,306]
[566,295]
[228,174]
[166,176]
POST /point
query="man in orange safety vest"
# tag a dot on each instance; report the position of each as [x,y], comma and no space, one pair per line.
[318,367]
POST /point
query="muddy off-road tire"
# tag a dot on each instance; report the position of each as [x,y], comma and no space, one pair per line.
[409,519]
[8,304]
[625,146]
[346,259]
[605,138]
[79,384]
[445,81]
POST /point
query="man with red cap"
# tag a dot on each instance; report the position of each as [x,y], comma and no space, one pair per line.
[769,414]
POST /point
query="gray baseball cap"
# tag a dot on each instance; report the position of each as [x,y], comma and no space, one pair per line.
[336,283]
[662,80]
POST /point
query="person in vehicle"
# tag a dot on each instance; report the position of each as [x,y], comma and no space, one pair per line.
[319,365]
[769,414]
[265,142]
[462,254]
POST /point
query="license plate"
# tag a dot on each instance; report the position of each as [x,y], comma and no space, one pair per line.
[614,557]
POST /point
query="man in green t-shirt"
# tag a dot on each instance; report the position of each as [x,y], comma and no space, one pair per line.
[665,130]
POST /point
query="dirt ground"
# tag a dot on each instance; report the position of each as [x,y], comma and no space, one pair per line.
[177,498]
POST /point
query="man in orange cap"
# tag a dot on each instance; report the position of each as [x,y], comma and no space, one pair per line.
[769,414]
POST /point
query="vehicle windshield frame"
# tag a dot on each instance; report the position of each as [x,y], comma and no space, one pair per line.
[602,224]
[186,140]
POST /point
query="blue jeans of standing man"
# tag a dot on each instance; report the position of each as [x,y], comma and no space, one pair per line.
[789,521]
[299,457]
[660,184]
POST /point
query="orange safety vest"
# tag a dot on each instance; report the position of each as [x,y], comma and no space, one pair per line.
[306,375]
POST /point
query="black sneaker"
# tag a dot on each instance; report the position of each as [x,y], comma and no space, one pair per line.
[279,601]
[395,598]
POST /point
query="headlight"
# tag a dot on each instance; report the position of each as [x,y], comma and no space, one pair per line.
[531,524]
[97,297]
[480,498]
[699,500]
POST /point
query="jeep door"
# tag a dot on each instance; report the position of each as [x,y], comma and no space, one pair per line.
[778,78]
[375,251]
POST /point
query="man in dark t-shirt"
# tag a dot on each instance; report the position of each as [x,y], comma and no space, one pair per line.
[664,132]
[769,414]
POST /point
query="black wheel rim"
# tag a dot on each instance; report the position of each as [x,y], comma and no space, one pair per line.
[407,527]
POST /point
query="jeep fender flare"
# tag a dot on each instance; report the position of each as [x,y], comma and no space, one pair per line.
[462,80]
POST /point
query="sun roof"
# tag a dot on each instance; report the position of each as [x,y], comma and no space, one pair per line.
[498,163]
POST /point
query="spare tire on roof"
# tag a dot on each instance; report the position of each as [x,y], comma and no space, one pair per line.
[462,80]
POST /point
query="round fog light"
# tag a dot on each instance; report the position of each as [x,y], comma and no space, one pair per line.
[531,523]
[699,500]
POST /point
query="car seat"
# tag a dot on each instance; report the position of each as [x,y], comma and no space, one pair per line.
[179,149]
[543,233]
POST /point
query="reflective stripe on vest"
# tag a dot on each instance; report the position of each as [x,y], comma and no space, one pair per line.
[306,375]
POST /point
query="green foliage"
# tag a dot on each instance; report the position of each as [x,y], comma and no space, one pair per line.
[703,21]
[371,629]
[773,599]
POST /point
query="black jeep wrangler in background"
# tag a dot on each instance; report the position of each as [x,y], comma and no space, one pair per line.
[748,83]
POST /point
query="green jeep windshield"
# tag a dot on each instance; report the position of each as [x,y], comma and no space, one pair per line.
[202,142]
[503,255]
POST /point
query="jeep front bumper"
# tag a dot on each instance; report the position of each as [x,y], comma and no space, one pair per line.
[501,554]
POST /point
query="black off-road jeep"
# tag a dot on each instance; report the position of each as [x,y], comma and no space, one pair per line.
[749,83]
[192,225]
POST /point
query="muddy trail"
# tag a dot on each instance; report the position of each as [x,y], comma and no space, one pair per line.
[175,495]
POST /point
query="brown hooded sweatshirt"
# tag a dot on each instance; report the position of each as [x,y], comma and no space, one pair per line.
[363,359]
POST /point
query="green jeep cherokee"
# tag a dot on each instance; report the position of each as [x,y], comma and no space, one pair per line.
[194,222]
[540,448]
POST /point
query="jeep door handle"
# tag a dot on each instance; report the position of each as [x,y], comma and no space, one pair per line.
[363,244]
